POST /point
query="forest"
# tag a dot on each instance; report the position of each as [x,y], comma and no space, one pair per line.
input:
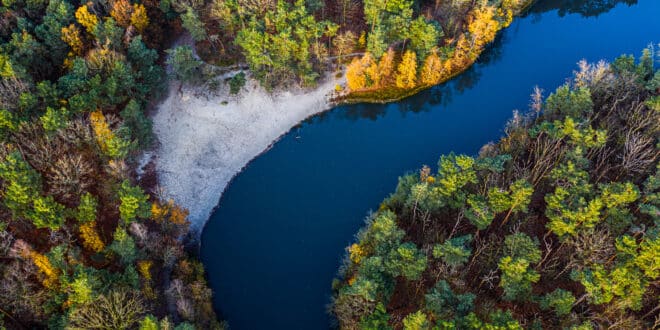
[391,48]
[555,226]
[83,243]
[89,241]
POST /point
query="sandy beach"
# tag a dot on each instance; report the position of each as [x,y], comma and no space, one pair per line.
[207,137]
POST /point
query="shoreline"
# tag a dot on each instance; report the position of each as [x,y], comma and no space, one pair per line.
[209,136]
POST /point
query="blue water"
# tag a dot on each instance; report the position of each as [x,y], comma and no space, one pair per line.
[274,244]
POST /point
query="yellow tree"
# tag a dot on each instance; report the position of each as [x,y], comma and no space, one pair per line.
[49,272]
[432,69]
[139,19]
[121,11]
[356,72]
[483,28]
[90,237]
[407,71]
[87,19]
[71,35]
[386,67]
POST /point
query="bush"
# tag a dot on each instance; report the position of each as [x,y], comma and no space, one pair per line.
[236,83]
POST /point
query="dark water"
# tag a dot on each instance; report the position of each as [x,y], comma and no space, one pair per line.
[274,244]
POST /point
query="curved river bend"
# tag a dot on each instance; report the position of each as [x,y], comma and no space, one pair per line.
[274,243]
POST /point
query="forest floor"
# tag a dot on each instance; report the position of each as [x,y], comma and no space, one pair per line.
[206,136]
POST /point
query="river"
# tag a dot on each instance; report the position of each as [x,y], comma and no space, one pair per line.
[273,245]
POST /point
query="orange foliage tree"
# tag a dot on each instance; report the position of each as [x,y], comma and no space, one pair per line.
[121,11]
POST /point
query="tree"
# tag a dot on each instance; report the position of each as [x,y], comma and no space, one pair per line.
[87,19]
[407,261]
[134,203]
[90,237]
[118,309]
[454,252]
[483,27]
[386,68]
[479,212]
[377,320]
[122,11]
[416,321]
[236,83]
[183,62]
[124,246]
[139,18]
[432,69]
[71,35]
[344,44]
[424,36]
[137,123]
[561,301]
[110,144]
[514,200]
[53,119]
[191,22]
[356,72]
[407,71]
[445,304]
[517,276]
[567,102]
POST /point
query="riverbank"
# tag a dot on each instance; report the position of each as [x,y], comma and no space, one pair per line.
[207,137]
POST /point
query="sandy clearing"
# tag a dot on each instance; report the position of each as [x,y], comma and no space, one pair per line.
[206,138]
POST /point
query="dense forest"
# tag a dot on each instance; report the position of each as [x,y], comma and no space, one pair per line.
[82,245]
[553,227]
[396,47]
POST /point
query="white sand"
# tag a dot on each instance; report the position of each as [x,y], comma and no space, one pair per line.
[204,144]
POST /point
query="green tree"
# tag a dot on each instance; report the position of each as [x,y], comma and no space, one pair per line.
[377,320]
[515,199]
[53,119]
[124,246]
[137,123]
[517,276]
[416,321]
[191,22]
[424,36]
[133,203]
[407,261]
[183,62]
[87,208]
[236,83]
[561,301]
[445,304]
[479,212]
[566,102]
[454,252]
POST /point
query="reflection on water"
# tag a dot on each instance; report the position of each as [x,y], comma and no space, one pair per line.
[586,8]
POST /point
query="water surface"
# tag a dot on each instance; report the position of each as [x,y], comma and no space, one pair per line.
[274,244]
